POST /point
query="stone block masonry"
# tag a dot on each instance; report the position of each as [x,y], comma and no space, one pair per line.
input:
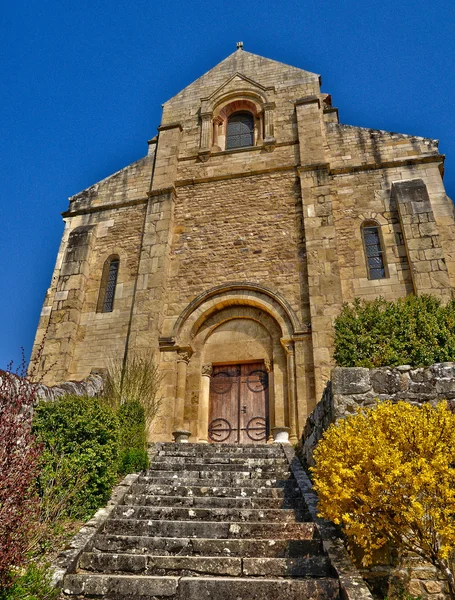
[264,240]
[206,521]
[352,388]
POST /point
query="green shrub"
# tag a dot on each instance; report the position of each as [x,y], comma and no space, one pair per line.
[132,438]
[131,418]
[80,441]
[417,331]
[34,584]
[133,460]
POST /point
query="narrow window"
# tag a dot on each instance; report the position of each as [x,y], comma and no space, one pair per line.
[108,285]
[240,130]
[374,252]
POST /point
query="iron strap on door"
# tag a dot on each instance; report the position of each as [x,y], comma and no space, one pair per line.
[256,429]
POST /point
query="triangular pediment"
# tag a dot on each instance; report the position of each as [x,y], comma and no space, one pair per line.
[234,82]
[255,71]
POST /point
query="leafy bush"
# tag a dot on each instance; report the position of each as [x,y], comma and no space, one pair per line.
[132,460]
[59,488]
[388,475]
[19,455]
[133,456]
[417,331]
[34,584]
[80,441]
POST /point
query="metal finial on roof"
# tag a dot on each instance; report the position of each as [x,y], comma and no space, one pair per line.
[239,45]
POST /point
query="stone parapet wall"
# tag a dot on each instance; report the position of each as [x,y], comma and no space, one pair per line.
[92,385]
[354,387]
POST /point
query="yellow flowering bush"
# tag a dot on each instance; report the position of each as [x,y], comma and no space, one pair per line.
[388,475]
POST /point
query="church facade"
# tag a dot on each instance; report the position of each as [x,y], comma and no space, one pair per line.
[227,252]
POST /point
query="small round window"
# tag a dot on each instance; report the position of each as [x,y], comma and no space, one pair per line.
[240,130]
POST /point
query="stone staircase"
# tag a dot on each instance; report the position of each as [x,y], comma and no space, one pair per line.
[208,521]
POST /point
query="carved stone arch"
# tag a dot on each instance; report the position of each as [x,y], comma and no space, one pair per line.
[236,104]
[230,313]
[236,86]
[238,93]
[249,294]
[372,216]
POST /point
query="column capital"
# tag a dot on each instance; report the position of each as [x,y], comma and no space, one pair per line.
[183,356]
[288,346]
[268,364]
[207,370]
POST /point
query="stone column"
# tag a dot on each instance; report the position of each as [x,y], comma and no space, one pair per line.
[290,359]
[217,123]
[203,429]
[268,365]
[204,148]
[269,139]
[180,433]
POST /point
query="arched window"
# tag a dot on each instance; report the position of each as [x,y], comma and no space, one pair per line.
[374,251]
[240,130]
[108,284]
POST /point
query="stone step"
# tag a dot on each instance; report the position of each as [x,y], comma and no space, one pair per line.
[126,587]
[287,490]
[173,513]
[270,450]
[207,467]
[145,564]
[223,479]
[206,546]
[221,460]
[213,502]
[209,529]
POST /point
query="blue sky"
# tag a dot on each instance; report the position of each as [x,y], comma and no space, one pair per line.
[82,85]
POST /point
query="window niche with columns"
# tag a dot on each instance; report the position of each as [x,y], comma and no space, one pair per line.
[236,124]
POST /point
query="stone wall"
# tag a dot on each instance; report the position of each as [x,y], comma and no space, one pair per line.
[283,216]
[354,387]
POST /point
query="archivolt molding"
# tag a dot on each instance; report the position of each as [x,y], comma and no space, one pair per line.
[237,86]
[211,323]
[219,297]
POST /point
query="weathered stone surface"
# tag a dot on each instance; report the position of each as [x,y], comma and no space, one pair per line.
[147,588]
[238,515]
[226,251]
[354,380]
[351,389]
[210,529]
[161,565]
[352,586]
[201,543]
[284,489]
[387,381]
[214,502]
[207,546]
[315,566]
[259,589]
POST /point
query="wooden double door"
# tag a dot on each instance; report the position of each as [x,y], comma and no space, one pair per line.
[239,412]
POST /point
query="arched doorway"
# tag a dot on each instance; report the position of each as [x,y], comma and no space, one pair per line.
[240,350]
[236,360]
